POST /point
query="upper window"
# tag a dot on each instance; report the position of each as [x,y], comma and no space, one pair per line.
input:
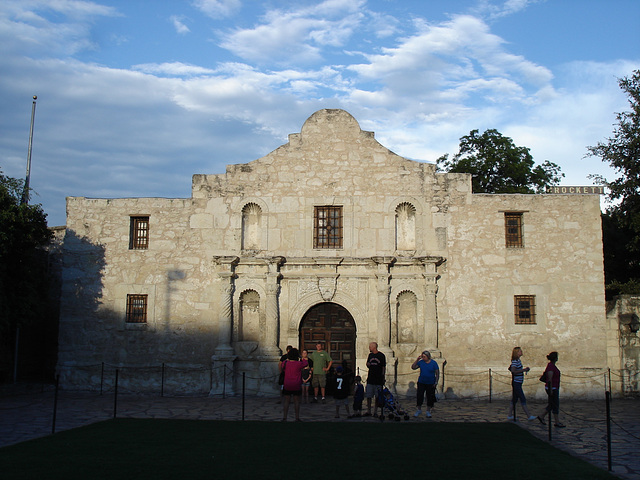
[327,231]
[139,233]
[525,309]
[136,308]
[513,229]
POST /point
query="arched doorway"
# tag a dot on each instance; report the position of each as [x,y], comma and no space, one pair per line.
[332,325]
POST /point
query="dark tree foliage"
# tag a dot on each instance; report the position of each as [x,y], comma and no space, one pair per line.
[24,298]
[499,166]
[621,222]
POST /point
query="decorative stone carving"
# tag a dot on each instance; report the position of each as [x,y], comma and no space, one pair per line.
[327,287]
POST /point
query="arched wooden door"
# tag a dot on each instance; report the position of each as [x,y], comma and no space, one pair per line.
[333,326]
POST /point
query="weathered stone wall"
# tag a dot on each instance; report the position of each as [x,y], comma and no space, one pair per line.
[623,316]
[561,263]
[251,230]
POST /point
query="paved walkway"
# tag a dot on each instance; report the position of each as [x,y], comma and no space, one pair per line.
[30,415]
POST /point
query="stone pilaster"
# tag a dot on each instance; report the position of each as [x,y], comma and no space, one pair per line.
[384,308]
[431,307]
[270,340]
[225,317]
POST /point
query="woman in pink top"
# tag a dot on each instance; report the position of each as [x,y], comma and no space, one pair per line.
[551,376]
[292,387]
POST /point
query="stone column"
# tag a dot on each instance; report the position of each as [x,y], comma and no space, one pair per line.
[225,316]
[222,360]
[431,340]
[430,313]
[270,346]
[272,307]
[384,308]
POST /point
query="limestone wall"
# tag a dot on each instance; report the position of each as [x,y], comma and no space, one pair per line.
[100,270]
[561,263]
[407,230]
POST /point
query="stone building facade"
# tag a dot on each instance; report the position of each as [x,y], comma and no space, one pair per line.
[333,238]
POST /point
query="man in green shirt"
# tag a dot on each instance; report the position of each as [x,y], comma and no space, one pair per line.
[321,364]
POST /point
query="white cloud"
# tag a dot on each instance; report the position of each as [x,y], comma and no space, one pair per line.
[493,11]
[25,26]
[453,60]
[218,8]
[296,36]
[174,69]
[179,25]
[144,130]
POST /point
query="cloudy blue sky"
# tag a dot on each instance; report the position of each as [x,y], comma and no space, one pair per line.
[135,96]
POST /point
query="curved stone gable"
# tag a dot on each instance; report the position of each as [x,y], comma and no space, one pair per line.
[331,124]
[330,155]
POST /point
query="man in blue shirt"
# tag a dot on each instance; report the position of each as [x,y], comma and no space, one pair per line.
[427,381]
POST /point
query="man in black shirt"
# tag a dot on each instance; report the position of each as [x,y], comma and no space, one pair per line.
[376,363]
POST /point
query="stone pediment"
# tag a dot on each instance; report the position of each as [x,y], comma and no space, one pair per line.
[330,125]
[330,155]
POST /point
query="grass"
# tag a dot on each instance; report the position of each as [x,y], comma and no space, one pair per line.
[192,449]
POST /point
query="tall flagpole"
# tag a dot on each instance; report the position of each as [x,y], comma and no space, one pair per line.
[25,192]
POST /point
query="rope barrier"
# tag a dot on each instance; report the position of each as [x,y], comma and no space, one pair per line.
[580,418]
[167,371]
[624,430]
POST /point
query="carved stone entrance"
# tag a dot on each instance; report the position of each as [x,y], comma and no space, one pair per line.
[332,325]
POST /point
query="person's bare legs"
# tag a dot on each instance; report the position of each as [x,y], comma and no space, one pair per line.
[296,406]
[285,407]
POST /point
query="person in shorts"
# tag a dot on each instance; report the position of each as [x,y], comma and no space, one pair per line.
[376,363]
[321,364]
[306,377]
[342,385]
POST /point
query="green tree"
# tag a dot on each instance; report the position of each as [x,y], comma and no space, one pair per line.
[499,166]
[23,277]
[621,221]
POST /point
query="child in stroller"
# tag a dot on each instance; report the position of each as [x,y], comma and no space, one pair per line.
[388,404]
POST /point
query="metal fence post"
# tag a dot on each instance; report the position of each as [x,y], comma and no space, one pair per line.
[243,392]
[444,364]
[224,381]
[607,395]
[115,396]
[162,382]
[55,406]
[101,378]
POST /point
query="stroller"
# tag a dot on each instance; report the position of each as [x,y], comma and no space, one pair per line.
[388,404]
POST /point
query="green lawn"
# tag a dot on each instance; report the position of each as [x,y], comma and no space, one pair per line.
[190,449]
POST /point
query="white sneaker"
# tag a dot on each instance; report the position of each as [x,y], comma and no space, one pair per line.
[418,413]
[532,417]
[428,414]
[510,417]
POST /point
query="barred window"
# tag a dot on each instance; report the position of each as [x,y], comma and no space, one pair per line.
[525,309]
[513,229]
[327,232]
[139,233]
[137,308]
